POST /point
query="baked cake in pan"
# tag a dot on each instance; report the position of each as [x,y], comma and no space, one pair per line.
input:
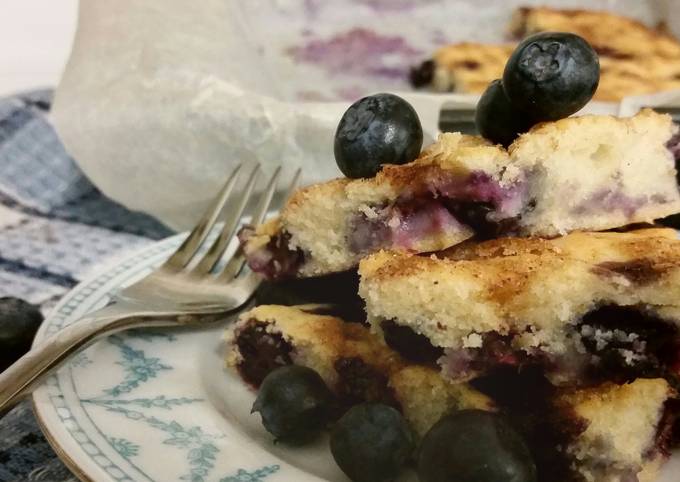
[589,307]
[579,173]
[634,58]
[469,68]
[574,435]
[610,35]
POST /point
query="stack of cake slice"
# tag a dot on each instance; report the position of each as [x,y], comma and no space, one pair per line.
[487,285]
[574,433]
[590,312]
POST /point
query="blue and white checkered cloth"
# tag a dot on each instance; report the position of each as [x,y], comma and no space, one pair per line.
[54,227]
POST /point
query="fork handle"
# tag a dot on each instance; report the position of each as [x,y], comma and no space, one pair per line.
[19,379]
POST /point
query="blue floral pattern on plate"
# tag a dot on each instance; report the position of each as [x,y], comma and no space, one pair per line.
[130,407]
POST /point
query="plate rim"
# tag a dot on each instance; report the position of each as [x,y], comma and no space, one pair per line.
[60,452]
[39,408]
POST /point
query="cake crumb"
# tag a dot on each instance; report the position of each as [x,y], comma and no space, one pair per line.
[473,340]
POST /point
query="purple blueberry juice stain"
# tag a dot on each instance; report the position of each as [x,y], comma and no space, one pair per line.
[611,200]
[360,52]
[417,222]
[443,205]
[276,259]
[673,145]
[479,186]
[367,235]
[402,225]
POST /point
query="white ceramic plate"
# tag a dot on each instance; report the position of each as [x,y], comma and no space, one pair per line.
[159,406]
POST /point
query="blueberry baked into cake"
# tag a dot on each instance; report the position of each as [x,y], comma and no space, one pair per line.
[635,59]
[357,367]
[577,173]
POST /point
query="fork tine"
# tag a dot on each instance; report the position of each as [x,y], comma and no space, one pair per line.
[266,198]
[181,257]
[234,266]
[218,247]
[293,184]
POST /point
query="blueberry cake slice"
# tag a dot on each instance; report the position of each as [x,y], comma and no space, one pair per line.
[354,363]
[589,307]
[574,435]
[580,173]
[426,205]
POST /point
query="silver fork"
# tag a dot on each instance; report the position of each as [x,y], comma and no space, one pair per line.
[184,291]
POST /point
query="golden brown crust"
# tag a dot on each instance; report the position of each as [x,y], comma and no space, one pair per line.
[496,285]
[306,193]
[452,155]
[491,258]
[634,245]
[661,122]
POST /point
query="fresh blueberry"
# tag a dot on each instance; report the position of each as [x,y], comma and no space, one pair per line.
[551,75]
[474,446]
[376,130]
[19,322]
[371,443]
[497,119]
[295,404]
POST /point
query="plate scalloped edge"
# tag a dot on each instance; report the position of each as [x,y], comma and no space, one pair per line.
[54,408]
